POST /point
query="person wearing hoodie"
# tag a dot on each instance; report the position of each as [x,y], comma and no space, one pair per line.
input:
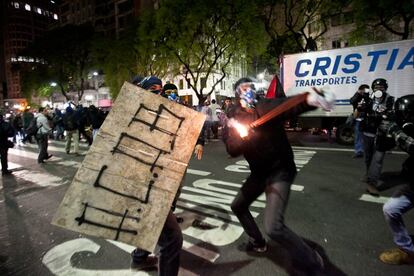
[71,128]
[42,135]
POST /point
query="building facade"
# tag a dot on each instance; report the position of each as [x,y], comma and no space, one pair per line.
[22,23]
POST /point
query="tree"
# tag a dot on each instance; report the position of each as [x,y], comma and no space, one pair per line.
[65,56]
[384,14]
[204,38]
[117,59]
[286,21]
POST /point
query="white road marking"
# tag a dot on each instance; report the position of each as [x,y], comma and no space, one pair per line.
[340,149]
[12,166]
[198,172]
[370,198]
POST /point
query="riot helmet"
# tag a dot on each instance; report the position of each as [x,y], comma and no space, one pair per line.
[404,113]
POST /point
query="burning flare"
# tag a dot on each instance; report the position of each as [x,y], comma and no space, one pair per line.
[241,129]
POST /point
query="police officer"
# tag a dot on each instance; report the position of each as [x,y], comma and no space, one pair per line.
[403,200]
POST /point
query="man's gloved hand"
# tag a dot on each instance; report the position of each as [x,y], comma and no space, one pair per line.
[323,98]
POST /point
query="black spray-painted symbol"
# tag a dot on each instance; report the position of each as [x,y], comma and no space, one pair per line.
[160,113]
[82,219]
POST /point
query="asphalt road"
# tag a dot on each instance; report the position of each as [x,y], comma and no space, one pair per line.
[328,207]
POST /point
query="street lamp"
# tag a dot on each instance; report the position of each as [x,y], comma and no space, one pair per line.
[53,84]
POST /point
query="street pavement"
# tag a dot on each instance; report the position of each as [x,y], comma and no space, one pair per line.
[328,207]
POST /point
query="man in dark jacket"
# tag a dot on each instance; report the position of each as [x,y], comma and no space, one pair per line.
[70,123]
[356,102]
[375,109]
[403,200]
[6,131]
[270,157]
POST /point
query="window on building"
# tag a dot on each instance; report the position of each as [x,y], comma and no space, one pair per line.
[27,7]
[336,44]
[39,10]
[16,5]
[223,85]
[181,84]
[188,83]
[55,16]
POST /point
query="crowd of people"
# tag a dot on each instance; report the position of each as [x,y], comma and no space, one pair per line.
[70,124]
[381,122]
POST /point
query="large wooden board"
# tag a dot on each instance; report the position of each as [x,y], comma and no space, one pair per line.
[127,181]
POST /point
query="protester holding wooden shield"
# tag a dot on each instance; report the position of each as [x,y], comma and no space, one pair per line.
[255,129]
[128,180]
[171,239]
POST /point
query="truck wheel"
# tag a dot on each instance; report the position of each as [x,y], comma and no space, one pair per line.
[345,135]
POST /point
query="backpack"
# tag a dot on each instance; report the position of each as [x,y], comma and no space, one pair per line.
[32,129]
[69,122]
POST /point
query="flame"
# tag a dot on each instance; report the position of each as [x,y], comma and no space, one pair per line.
[241,129]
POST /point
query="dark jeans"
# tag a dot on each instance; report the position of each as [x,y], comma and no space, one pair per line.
[3,153]
[369,149]
[374,171]
[42,143]
[277,195]
[170,243]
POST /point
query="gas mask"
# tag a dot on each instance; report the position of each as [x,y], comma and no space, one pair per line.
[247,94]
[377,95]
[248,99]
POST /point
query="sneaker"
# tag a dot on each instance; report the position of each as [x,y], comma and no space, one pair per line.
[372,190]
[48,157]
[397,256]
[149,263]
[256,247]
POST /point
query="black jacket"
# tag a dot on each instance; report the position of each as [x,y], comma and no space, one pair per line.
[6,131]
[372,118]
[266,148]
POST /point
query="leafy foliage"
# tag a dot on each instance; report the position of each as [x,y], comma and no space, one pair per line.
[204,40]
[375,16]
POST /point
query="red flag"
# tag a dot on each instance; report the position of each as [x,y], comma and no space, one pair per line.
[275,89]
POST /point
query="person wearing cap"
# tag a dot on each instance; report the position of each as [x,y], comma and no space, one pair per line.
[272,167]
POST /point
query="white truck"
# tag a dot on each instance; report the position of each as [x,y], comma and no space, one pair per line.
[344,70]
